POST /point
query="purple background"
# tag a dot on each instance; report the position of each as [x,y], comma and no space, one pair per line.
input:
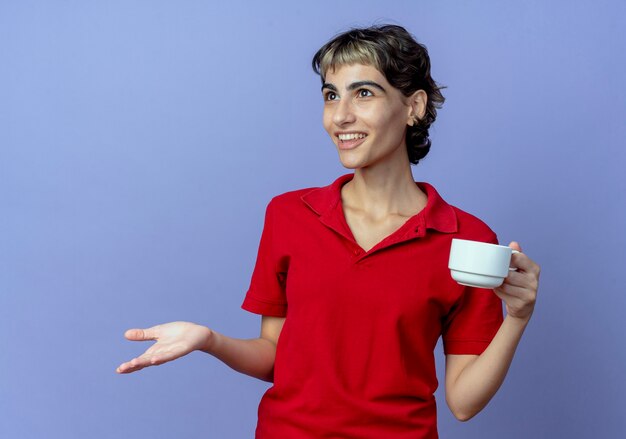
[141,141]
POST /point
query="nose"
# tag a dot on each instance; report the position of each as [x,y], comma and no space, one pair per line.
[343,113]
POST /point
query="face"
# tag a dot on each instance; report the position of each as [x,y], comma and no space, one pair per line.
[365,116]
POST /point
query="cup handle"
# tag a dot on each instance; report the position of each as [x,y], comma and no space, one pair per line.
[512,268]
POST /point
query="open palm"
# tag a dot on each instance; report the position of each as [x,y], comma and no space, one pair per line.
[173,340]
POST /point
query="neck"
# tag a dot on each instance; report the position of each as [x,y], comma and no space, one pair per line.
[381,191]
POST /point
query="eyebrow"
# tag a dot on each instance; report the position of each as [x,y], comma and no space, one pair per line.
[354,86]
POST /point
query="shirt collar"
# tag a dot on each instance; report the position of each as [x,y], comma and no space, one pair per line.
[437,214]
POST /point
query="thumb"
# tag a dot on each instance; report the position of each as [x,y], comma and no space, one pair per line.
[515,246]
[141,334]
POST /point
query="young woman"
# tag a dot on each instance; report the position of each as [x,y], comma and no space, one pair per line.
[351,279]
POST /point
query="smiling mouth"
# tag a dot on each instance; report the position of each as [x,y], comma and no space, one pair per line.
[349,141]
[351,136]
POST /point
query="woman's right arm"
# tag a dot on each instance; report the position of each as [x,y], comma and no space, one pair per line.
[254,357]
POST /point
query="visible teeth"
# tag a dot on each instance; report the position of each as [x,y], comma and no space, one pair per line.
[351,136]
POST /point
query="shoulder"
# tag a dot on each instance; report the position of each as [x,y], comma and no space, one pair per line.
[288,213]
[450,219]
[473,228]
[315,199]
[289,200]
[291,197]
[291,205]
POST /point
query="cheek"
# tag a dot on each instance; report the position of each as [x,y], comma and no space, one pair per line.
[327,122]
[386,123]
[398,120]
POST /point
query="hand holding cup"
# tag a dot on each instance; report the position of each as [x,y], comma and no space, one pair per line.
[513,276]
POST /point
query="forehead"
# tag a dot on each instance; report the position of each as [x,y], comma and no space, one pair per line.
[345,74]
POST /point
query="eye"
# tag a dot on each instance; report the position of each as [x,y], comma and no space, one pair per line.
[330,96]
[365,93]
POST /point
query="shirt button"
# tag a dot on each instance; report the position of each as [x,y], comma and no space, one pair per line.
[357,251]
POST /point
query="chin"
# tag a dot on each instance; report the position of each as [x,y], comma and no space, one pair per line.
[351,161]
[354,164]
[350,164]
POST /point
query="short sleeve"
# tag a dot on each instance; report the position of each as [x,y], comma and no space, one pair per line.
[474,321]
[266,294]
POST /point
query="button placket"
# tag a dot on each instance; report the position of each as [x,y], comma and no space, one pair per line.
[357,254]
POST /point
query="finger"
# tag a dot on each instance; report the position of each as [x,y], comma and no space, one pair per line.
[523,292]
[515,246]
[522,262]
[134,365]
[128,367]
[512,291]
[141,334]
[521,279]
[517,302]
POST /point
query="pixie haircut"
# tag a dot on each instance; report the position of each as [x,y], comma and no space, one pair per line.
[401,59]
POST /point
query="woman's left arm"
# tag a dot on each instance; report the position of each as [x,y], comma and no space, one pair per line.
[472,380]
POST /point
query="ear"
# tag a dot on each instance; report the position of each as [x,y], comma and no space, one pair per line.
[417,107]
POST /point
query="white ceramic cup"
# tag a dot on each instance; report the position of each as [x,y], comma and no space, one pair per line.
[479,264]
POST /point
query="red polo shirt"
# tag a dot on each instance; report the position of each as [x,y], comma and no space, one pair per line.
[355,355]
